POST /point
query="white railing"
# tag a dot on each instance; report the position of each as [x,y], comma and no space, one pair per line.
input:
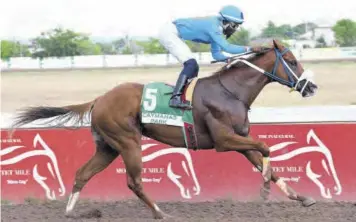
[112,61]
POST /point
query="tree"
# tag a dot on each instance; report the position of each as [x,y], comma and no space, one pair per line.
[59,42]
[321,43]
[198,47]
[107,48]
[273,31]
[119,44]
[269,31]
[304,27]
[152,46]
[241,37]
[13,49]
[345,32]
[126,51]
[122,45]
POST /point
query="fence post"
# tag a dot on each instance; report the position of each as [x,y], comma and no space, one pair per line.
[104,61]
[40,62]
[8,63]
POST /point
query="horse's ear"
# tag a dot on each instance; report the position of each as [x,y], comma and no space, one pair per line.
[275,44]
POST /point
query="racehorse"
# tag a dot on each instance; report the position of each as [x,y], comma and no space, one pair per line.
[220,104]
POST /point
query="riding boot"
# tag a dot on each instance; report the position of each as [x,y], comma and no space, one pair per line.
[175,100]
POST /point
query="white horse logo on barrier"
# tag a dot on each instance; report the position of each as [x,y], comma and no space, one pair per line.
[51,165]
[187,165]
[327,163]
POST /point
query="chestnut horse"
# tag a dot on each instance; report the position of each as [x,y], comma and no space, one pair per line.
[220,104]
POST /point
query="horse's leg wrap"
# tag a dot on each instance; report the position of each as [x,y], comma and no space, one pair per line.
[256,159]
[73,198]
[265,167]
[287,189]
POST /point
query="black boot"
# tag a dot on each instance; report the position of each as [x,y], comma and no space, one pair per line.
[175,100]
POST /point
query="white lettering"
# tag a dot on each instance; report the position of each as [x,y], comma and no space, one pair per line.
[276,136]
[278,169]
[151,180]
[6,172]
[262,136]
[22,172]
[156,170]
[17,182]
[295,169]
[120,170]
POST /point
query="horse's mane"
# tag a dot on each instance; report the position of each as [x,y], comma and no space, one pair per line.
[251,58]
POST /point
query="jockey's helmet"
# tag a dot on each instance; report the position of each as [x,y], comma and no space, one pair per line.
[232,18]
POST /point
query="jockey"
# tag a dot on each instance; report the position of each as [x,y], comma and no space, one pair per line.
[208,30]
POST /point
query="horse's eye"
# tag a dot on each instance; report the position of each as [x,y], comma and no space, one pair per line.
[293,63]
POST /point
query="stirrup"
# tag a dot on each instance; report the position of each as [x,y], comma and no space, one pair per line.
[178,103]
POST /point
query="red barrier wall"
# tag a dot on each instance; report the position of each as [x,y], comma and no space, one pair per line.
[315,159]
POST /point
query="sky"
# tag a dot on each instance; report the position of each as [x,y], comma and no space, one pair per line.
[28,18]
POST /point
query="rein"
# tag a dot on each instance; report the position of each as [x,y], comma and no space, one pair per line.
[235,60]
[272,75]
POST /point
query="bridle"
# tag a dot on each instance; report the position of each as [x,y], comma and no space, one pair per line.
[293,79]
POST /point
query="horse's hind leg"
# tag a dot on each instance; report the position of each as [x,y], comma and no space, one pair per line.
[127,140]
[133,162]
[256,159]
[102,158]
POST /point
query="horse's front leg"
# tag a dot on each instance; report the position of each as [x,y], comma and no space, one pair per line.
[256,159]
[233,142]
[225,140]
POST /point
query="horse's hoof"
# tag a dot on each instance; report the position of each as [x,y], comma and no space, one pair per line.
[161,215]
[69,214]
[158,215]
[307,202]
[264,193]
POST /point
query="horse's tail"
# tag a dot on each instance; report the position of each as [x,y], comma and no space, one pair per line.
[61,114]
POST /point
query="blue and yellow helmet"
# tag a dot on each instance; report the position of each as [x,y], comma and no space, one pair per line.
[232,14]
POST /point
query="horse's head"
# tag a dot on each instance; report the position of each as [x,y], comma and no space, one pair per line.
[288,71]
[276,63]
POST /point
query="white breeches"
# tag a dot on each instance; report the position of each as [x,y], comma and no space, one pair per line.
[169,38]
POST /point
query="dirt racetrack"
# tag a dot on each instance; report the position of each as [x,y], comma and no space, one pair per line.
[336,82]
[222,210]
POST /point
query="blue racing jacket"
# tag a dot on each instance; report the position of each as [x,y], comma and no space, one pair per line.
[208,30]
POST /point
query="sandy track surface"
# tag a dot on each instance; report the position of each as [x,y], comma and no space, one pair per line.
[221,210]
[336,82]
